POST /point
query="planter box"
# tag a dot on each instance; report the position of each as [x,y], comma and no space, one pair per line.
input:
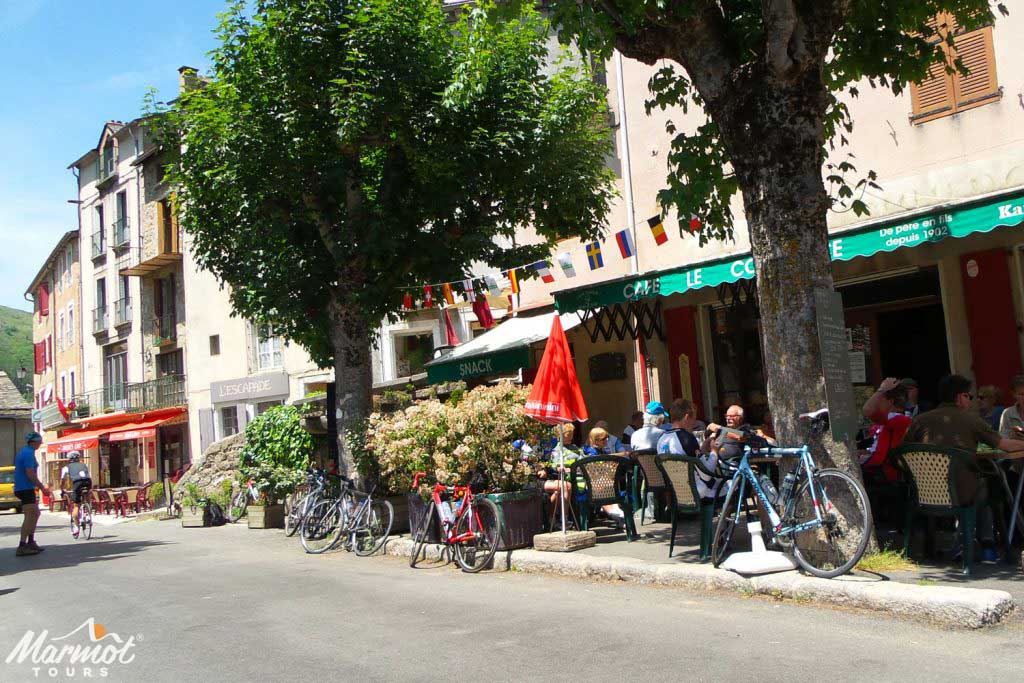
[193,516]
[265,516]
[417,508]
[400,520]
[522,516]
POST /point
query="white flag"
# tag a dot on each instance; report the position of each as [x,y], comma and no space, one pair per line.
[565,260]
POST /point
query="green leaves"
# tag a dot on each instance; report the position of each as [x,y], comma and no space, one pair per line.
[276,452]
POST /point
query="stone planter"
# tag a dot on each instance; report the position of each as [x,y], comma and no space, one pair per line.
[417,508]
[400,523]
[522,517]
[194,516]
[265,516]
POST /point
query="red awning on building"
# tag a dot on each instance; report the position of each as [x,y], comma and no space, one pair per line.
[76,441]
[143,429]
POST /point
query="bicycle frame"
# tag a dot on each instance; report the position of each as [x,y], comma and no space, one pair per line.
[745,474]
[465,500]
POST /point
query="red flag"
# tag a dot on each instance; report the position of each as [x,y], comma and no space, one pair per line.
[428,296]
[556,395]
[694,224]
[407,301]
[63,409]
[449,330]
[483,312]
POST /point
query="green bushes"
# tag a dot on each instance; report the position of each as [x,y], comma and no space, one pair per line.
[276,452]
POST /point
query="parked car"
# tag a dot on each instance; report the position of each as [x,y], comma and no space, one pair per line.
[8,501]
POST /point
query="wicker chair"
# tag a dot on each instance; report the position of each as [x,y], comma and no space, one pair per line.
[131,501]
[144,502]
[944,482]
[606,480]
[679,472]
[653,480]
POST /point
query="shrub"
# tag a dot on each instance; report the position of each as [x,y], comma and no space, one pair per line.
[276,452]
[156,492]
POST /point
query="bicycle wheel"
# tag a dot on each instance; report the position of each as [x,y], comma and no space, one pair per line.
[838,544]
[321,527]
[294,508]
[373,527]
[236,510]
[728,519]
[86,526]
[419,536]
[484,521]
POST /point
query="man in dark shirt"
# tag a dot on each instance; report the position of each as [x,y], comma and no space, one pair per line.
[955,424]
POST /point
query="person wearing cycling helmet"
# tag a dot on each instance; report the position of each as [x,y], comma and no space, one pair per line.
[76,476]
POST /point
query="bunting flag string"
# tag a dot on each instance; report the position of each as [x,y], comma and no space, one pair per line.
[625,242]
[565,260]
[542,269]
[594,255]
[657,229]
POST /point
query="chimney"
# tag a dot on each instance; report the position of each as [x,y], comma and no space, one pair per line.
[188,78]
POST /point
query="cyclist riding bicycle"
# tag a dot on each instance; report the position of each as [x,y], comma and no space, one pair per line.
[76,473]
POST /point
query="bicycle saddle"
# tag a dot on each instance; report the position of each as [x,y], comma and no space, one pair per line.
[816,415]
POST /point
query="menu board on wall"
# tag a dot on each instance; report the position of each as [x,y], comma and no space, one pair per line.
[835,363]
[858,367]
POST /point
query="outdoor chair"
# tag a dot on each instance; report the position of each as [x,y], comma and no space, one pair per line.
[652,480]
[100,503]
[107,504]
[943,482]
[131,501]
[144,502]
[679,472]
[606,480]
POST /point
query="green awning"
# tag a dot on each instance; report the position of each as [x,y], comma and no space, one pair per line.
[933,227]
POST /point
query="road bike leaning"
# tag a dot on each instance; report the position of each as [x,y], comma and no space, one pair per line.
[825,520]
[363,521]
[247,495]
[298,504]
[470,525]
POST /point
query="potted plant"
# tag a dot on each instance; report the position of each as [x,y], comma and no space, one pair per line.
[193,507]
[275,456]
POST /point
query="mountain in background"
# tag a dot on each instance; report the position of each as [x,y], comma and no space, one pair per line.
[16,347]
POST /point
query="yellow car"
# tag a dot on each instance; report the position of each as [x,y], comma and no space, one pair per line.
[8,500]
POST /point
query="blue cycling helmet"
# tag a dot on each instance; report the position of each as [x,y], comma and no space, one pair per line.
[33,436]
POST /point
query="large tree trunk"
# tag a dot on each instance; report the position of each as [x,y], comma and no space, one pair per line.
[353,376]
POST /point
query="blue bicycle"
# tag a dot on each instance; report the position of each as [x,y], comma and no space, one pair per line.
[825,521]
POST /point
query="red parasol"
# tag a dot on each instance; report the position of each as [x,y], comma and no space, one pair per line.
[449,330]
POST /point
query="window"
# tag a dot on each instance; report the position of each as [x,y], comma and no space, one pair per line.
[61,331]
[58,275]
[411,352]
[71,325]
[942,94]
[168,224]
[71,377]
[115,374]
[121,220]
[69,258]
[264,406]
[170,364]
[63,386]
[268,354]
[228,421]
[214,344]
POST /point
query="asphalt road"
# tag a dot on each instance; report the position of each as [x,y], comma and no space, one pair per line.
[230,604]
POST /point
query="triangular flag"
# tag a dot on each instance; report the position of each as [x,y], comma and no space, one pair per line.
[513,281]
[542,269]
[428,296]
[449,330]
[407,301]
[565,260]
[625,242]
[468,290]
[492,285]
[63,409]
[657,229]
[594,255]
[449,298]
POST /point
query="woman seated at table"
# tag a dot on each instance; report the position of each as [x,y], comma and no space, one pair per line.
[563,455]
[597,444]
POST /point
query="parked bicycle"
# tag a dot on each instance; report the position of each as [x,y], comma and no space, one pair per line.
[248,495]
[298,504]
[364,522]
[470,525]
[83,520]
[825,521]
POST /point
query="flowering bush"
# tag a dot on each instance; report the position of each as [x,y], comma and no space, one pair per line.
[450,440]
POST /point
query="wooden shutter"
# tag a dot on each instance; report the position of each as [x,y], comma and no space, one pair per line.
[161,216]
[175,232]
[979,85]
[932,97]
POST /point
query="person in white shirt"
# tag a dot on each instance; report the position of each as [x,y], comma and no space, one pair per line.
[1011,422]
[646,438]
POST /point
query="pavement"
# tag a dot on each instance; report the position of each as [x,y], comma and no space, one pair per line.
[235,604]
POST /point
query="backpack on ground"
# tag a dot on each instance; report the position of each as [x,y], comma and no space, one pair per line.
[215,514]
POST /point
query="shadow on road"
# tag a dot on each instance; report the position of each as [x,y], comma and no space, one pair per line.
[63,555]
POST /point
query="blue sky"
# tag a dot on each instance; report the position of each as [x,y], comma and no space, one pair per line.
[66,67]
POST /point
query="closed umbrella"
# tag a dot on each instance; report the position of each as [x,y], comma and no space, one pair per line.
[452,339]
[556,397]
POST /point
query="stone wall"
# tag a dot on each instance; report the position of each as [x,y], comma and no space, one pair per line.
[219,462]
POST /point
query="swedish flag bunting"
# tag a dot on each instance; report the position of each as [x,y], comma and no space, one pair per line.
[542,269]
[625,242]
[594,255]
[565,260]
[657,229]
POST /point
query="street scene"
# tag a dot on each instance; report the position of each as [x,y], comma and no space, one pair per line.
[403,339]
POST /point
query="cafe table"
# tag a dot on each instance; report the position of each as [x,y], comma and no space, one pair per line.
[987,459]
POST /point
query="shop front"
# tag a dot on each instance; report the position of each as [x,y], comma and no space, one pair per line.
[922,297]
[237,401]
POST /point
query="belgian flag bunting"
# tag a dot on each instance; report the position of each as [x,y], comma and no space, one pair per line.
[657,229]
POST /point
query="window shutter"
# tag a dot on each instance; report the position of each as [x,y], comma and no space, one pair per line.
[932,97]
[44,299]
[175,246]
[39,357]
[976,51]
[161,209]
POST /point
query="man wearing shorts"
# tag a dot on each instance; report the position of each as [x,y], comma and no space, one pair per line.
[77,474]
[26,481]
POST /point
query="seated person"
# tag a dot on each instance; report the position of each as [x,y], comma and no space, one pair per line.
[636,421]
[646,438]
[75,475]
[680,440]
[598,444]
[563,455]
[990,405]
[615,445]
[888,426]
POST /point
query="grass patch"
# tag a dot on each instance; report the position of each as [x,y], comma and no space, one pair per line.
[927,582]
[887,560]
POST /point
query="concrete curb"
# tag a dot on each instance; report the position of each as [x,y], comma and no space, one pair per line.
[945,605]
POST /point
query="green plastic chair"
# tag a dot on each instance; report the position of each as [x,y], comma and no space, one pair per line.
[679,473]
[943,482]
[606,481]
[647,478]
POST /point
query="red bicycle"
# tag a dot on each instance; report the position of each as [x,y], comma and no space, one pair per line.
[470,525]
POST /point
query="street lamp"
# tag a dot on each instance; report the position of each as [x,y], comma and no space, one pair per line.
[22,372]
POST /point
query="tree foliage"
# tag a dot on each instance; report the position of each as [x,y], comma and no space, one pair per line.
[342,150]
[277,451]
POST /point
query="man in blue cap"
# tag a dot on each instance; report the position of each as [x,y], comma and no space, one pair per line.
[646,438]
[26,481]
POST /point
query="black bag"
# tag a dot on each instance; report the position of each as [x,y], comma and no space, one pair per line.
[215,514]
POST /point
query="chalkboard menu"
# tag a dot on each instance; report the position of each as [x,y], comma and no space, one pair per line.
[835,363]
[607,366]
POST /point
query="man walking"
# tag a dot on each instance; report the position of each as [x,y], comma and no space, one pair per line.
[25,483]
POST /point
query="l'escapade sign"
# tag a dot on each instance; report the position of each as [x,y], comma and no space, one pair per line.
[842,247]
[245,388]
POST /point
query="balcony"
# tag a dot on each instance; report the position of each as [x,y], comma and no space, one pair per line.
[164,329]
[121,234]
[50,416]
[152,262]
[132,397]
[99,244]
[122,312]
[106,171]
[100,320]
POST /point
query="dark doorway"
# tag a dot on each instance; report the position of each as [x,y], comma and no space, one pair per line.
[913,344]
[116,466]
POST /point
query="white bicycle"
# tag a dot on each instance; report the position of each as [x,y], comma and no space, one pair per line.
[241,500]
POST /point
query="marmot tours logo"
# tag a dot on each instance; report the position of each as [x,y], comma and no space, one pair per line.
[89,651]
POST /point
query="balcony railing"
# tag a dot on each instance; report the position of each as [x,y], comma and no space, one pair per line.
[122,311]
[164,329]
[121,234]
[99,244]
[100,320]
[132,397]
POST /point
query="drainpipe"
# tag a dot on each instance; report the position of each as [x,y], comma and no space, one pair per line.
[627,181]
